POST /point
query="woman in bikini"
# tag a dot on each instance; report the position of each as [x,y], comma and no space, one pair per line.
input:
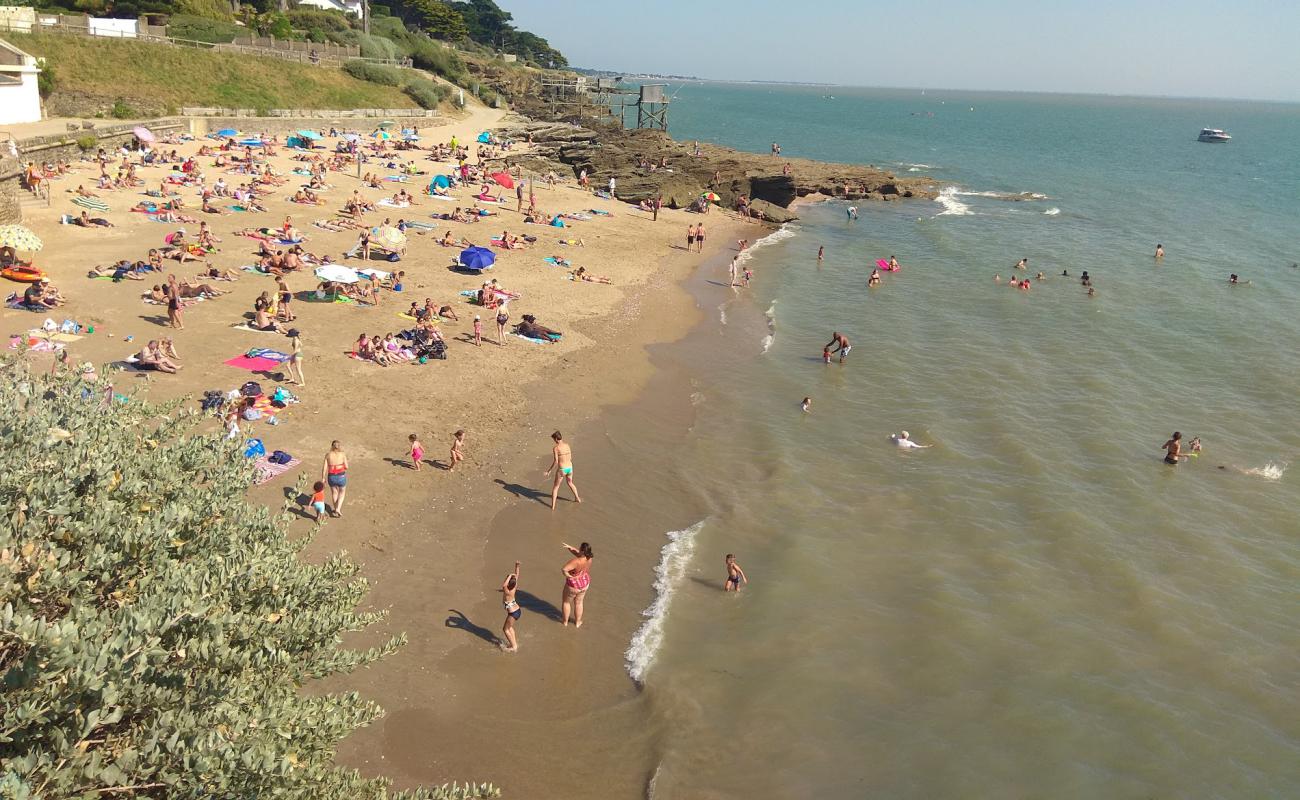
[513,611]
[335,472]
[577,578]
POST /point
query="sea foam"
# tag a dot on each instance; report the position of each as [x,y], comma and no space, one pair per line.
[1269,471]
[673,560]
[951,205]
[1053,211]
[782,233]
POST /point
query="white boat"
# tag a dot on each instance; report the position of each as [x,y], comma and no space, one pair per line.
[1213,135]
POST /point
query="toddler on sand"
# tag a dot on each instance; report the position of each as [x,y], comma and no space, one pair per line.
[318,500]
[457,439]
[417,451]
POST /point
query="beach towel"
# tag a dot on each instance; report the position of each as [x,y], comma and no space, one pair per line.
[397,178]
[388,203]
[579,216]
[265,470]
[54,337]
[557,262]
[377,273]
[267,353]
[244,326]
[252,364]
[603,195]
[92,203]
[15,302]
[598,212]
[400,357]
[35,345]
[531,339]
[424,226]
[440,197]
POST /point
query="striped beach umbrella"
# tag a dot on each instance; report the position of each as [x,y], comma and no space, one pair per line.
[20,237]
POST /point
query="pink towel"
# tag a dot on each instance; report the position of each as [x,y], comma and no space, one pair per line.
[267,471]
[255,364]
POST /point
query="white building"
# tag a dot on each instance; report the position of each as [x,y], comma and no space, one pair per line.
[20,98]
[346,6]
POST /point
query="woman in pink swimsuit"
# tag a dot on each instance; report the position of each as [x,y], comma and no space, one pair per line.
[577,577]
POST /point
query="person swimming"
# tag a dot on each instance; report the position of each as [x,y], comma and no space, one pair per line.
[806,405]
[903,441]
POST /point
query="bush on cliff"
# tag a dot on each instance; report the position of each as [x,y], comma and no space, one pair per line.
[156,629]
[375,73]
[425,92]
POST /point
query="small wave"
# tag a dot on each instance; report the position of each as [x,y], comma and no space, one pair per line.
[1269,471]
[697,399]
[1011,196]
[912,167]
[779,235]
[1053,211]
[668,573]
[767,342]
[951,205]
[722,313]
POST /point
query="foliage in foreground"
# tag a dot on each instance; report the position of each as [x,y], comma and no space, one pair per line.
[155,628]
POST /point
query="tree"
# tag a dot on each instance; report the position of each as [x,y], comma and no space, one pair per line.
[441,21]
[156,629]
[487,22]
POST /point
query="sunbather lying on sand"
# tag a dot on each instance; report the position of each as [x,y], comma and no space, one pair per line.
[581,274]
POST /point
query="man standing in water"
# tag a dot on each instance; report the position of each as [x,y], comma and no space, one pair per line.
[1174,449]
[839,342]
[562,463]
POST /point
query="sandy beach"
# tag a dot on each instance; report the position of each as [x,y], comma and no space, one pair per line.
[435,544]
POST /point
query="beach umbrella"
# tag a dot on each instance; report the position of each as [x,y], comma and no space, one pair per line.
[389,237]
[227,132]
[309,134]
[485,137]
[143,134]
[351,137]
[382,135]
[251,142]
[441,181]
[711,197]
[386,123]
[477,258]
[504,179]
[337,273]
[19,237]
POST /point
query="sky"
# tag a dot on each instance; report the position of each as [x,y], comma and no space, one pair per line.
[1189,48]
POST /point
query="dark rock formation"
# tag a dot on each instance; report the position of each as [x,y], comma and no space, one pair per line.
[648,163]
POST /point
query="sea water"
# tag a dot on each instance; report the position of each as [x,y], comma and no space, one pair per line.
[1035,605]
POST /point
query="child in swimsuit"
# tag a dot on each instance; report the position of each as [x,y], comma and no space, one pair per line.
[735,575]
[457,439]
[513,611]
[318,500]
[417,451]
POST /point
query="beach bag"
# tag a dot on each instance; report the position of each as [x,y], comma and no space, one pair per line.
[279,457]
[254,448]
[280,396]
[251,414]
[251,389]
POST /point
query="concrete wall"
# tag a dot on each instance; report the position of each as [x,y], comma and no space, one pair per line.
[308,113]
[17,18]
[113,28]
[202,126]
[20,102]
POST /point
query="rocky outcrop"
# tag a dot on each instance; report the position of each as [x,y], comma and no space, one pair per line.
[646,164]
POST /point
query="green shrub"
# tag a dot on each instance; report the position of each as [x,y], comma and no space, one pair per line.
[158,627]
[211,9]
[378,47]
[439,60]
[320,19]
[87,143]
[200,29]
[122,111]
[425,92]
[374,73]
[47,79]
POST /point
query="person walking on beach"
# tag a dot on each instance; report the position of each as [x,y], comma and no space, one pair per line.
[513,611]
[735,575]
[457,455]
[577,578]
[335,472]
[699,238]
[562,463]
[658,204]
[690,238]
[294,365]
[519,196]
[478,331]
[417,451]
[838,343]
[503,317]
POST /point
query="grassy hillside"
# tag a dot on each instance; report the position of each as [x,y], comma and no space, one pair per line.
[90,75]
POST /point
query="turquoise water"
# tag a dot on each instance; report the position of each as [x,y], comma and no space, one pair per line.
[1035,606]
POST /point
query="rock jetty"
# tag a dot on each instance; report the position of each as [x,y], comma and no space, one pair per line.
[647,163]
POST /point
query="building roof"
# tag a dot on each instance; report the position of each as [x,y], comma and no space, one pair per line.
[14,60]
